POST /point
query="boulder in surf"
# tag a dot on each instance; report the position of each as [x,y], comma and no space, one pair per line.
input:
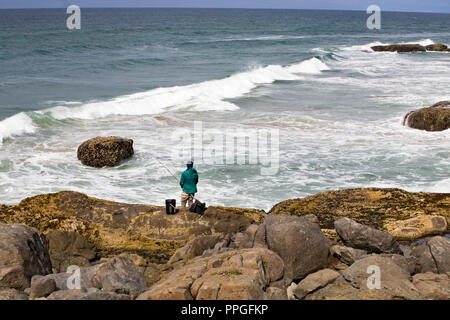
[105,151]
[434,118]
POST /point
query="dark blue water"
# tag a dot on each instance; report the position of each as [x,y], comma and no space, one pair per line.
[41,61]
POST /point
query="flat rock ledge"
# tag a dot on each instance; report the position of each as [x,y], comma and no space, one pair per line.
[405,215]
[411,47]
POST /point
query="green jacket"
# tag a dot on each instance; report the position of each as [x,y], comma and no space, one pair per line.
[189,180]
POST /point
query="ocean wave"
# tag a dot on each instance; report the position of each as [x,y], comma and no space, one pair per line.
[204,96]
[62,102]
[131,62]
[312,66]
[16,125]
[265,38]
[257,38]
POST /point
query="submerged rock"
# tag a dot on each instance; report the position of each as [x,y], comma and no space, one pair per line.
[105,151]
[434,118]
[23,254]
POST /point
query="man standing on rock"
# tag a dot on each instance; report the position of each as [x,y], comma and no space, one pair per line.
[188,183]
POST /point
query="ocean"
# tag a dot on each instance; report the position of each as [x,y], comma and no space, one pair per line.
[151,74]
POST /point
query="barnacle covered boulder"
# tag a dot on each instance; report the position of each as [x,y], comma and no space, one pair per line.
[105,151]
[434,118]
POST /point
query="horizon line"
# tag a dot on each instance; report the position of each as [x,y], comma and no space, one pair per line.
[224,8]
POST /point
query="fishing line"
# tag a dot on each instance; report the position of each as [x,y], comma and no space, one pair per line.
[168,170]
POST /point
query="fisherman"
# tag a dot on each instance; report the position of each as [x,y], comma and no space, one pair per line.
[188,183]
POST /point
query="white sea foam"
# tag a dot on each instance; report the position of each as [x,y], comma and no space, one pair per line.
[425,42]
[313,66]
[263,38]
[364,47]
[440,186]
[62,102]
[203,96]
[256,38]
[16,125]
[387,75]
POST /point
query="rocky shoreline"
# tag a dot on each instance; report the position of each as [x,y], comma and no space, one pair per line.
[318,247]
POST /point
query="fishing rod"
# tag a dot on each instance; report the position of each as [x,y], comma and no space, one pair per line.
[176,179]
[165,167]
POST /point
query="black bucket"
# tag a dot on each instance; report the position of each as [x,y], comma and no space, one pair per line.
[171,205]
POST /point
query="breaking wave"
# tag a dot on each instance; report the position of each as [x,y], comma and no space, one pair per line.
[16,125]
[204,96]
